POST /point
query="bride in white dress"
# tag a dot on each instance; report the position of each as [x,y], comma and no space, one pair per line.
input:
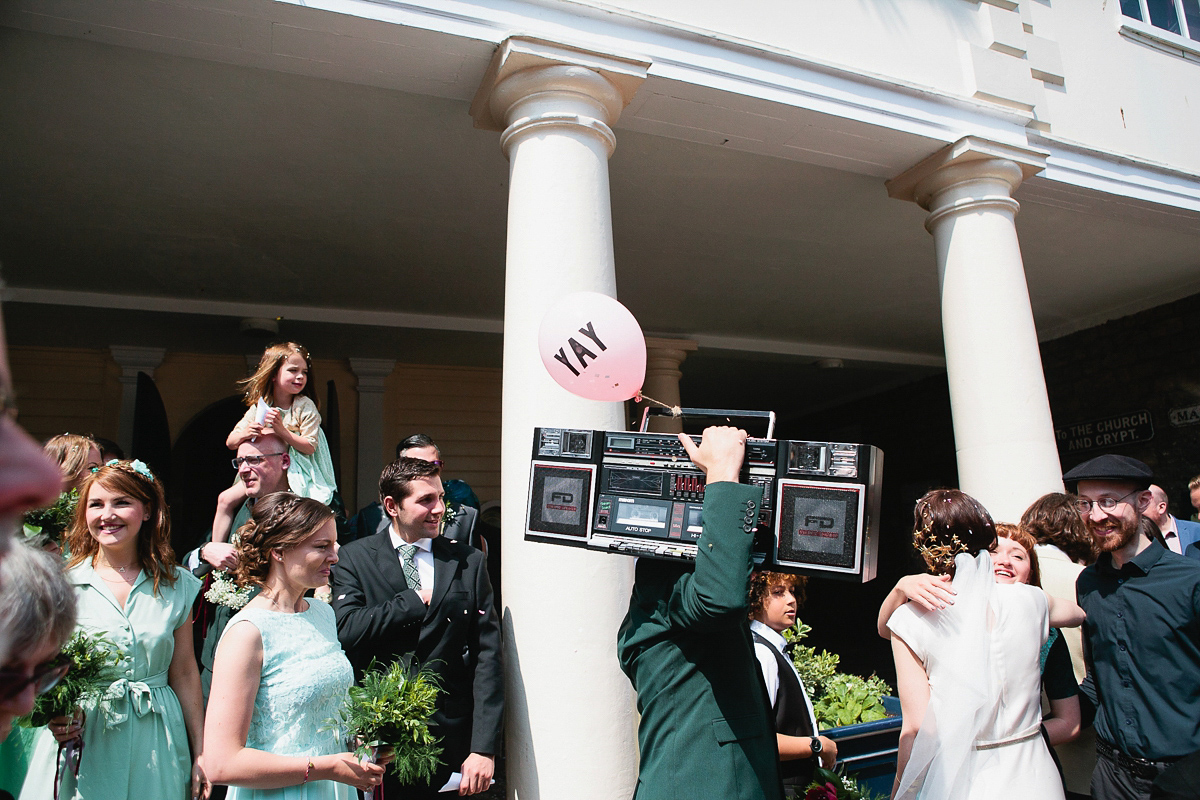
[968,670]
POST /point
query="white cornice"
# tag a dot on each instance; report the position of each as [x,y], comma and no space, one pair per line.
[400,319]
[817,350]
[229,308]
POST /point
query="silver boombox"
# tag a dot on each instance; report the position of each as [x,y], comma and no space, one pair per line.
[638,494]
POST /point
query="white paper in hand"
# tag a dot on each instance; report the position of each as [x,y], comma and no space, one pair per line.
[260,410]
[455,781]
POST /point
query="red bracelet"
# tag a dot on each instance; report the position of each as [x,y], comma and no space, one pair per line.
[307,769]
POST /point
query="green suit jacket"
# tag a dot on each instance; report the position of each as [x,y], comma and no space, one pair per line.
[706,729]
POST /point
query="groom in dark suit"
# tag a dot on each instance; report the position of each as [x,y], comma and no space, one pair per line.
[407,594]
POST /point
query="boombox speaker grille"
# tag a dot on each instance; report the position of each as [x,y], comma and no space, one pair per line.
[818,524]
[560,500]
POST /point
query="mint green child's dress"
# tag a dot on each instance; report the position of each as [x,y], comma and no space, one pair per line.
[308,476]
[305,677]
[135,741]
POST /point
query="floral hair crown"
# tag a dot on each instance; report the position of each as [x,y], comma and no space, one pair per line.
[137,466]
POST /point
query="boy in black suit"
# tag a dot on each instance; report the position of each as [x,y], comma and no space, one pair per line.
[406,593]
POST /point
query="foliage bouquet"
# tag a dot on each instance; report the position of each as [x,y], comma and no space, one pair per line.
[93,666]
[829,785]
[392,708]
[46,525]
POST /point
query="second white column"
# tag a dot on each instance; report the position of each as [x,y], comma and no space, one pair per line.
[570,726]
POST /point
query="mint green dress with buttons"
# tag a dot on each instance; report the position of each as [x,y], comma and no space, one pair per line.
[135,740]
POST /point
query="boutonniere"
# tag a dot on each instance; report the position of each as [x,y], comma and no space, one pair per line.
[448,515]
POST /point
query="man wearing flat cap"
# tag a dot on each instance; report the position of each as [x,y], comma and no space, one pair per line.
[1143,632]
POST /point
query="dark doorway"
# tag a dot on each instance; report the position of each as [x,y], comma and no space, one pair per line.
[201,469]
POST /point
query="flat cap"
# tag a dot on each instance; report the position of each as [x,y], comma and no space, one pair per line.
[1110,467]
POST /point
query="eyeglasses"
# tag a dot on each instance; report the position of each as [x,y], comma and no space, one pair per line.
[1106,504]
[44,678]
[437,463]
[252,461]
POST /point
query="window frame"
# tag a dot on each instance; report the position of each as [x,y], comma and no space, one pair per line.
[1141,30]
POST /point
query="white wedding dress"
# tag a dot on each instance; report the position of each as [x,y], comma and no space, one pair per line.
[980,738]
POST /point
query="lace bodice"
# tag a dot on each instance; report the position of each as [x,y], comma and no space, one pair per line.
[305,676]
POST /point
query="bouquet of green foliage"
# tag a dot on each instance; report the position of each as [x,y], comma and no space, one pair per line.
[43,525]
[838,699]
[93,660]
[392,708]
[829,785]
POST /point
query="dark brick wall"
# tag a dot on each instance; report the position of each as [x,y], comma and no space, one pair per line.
[1146,361]
[1149,361]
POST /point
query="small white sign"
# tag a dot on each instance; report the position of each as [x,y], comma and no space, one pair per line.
[1184,416]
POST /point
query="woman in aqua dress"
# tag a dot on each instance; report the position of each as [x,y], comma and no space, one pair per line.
[280,675]
[142,736]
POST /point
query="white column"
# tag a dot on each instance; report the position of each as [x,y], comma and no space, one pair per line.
[663,359]
[1003,432]
[132,360]
[371,374]
[570,710]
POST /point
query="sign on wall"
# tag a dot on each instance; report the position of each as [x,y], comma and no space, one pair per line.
[1121,429]
[1180,417]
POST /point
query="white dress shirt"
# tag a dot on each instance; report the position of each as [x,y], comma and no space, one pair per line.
[423,556]
[770,667]
[1171,535]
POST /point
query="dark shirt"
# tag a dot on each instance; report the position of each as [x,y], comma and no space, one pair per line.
[1058,676]
[1143,632]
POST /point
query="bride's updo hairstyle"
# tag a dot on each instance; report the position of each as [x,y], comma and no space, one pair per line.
[280,521]
[947,522]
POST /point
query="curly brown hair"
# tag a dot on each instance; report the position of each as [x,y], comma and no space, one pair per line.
[1005,530]
[261,382]
[761,583]
[947,522]
[154,553]
[279,521]
[1055,519]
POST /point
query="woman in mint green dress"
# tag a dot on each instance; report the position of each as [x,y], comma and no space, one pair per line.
[142,736]
[280,674]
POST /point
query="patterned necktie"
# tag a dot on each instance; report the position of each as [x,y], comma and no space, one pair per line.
[408,562]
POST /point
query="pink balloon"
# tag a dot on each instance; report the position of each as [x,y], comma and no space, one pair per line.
[593,347]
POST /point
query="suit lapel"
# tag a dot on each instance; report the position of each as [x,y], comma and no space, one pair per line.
[389,562]
[445,566]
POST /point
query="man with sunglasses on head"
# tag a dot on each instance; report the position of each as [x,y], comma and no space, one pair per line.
[460,517]
[262,467]
[1143,634]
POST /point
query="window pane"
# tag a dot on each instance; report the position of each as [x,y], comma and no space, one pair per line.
[1191,12]
[1131,8]
[1162,15]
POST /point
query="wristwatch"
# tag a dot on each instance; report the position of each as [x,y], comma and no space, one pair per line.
[815,744]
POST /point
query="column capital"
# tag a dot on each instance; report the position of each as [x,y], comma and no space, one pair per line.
[533,84]
[969,158]
[133,360]
[665,355]
[371,372]
[685,346]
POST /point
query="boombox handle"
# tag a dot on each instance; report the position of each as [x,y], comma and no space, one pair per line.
[710,412]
